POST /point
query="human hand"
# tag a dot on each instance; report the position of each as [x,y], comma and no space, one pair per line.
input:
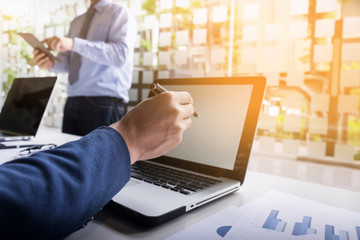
[156,125]
[42,60]
[61,44]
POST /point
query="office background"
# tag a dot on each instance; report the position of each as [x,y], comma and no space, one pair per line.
[309,50]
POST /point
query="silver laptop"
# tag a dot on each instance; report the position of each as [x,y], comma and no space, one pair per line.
[211,160]
[24,107]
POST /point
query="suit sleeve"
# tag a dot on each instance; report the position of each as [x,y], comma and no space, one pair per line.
[52,193]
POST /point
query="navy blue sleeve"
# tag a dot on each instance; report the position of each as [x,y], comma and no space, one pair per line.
[52,193]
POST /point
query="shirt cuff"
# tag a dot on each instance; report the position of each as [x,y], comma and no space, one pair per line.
[85,48]
[79,45]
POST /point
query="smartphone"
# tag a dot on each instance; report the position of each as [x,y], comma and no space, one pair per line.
[35,43]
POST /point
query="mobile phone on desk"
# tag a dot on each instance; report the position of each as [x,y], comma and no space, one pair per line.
[35,43]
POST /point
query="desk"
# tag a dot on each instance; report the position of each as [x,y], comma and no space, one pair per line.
[44,135]
[108,226]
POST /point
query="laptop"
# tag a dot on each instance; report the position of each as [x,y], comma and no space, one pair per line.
[24,107]
[211,160]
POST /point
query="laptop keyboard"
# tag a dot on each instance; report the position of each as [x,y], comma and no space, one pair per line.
[172,179]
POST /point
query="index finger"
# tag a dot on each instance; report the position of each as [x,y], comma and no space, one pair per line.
[183,97]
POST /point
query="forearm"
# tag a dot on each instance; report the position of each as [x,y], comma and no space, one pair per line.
[112,54]
[52,193]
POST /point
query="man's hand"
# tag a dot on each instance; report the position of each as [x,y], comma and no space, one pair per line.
[61,44]
[42,60]
[156,125]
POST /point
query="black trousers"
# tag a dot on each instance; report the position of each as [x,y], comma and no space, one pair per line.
[84,114]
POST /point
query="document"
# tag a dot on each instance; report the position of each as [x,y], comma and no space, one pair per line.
[279,215]
[214,227]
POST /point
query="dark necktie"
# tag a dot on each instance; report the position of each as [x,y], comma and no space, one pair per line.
[75,62]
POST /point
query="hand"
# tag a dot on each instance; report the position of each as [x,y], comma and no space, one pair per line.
[156,125]
[42,60]
[61,44]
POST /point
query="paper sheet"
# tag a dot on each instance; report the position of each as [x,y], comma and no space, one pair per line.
[344,153]
[148,58]
[182,3]
[316,149]
[148,77]
[323,6]
[212,228]
[137,41]
[182,37]
[135,78]
[136,59]
[133,94]
[272,78]
[295,78]
[250,33]
[318,125]
[249,55]
[166,4]
[324,28]
[320,102]
[348,104]
[350,78]
[163,74]
[165,59]
[251,11]
[218,55]
[298,30]
[350,52]
[267,122]
[219,14]
[299,7]
[181,58]
[292,123]
[144,94]
[294,100]
[200,16]
[291,146]
[165,20]
[323,53]
[149,22]
[199,36]
[279,216]
[273,32]
[164,39]
[267,144]
[351,27]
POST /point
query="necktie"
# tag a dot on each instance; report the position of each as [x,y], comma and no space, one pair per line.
[75,62]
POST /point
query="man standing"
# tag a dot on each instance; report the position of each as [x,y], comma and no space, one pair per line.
[98,55]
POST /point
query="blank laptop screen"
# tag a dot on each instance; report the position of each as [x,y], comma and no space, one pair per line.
[213,139]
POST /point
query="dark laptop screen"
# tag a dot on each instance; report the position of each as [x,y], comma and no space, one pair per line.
[25,105]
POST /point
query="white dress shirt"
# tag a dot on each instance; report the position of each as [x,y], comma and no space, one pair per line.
[107,53]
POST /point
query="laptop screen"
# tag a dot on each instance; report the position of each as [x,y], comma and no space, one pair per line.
[213,138]
[25,105]
[220,140]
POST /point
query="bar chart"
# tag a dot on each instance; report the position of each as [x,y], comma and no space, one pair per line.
[273,223]
[276,224]
[303,228]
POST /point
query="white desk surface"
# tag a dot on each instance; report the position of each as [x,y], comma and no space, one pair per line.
[109,226]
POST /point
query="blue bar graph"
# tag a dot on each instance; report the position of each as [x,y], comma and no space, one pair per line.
[330,234]
[304,227]
[273,223]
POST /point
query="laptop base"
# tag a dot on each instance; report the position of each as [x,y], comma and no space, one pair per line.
[142,220]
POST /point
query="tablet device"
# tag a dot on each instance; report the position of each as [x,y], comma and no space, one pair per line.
[35,43]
